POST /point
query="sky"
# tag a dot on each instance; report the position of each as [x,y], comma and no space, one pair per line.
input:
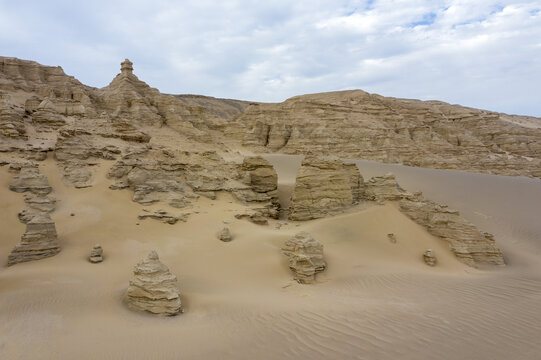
[479,53]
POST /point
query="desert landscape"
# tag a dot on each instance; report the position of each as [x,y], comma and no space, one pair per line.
[341,225]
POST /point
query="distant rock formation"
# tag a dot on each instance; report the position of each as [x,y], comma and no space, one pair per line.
[469,245]
[356,124]
[96,255]
[324,186]
[429,257]
[153,288]
[39,241]
[305,257]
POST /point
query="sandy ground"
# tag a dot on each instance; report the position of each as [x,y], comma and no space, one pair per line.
[377,300]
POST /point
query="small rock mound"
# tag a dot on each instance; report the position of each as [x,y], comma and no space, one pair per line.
[305,257]
[153,288]
[96,255]
[429,257]
[225,235]
[38,242]
[29,179]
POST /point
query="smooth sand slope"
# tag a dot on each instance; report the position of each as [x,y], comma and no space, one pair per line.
[376,300]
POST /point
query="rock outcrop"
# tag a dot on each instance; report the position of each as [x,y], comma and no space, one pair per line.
[429,258]
[324,186]
[38,242]
[305,257]
[225,235]
[383,188]
[355,124]
[163,216]
[469,245]
[153,288]
[29,179]
[261,187]
[96,255]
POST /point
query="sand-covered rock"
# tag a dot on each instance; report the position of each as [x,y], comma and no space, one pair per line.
[305,257]
[96,254]
[225,235]
[163,216]
[469,245]
[153,288]
[429,258]
[323,187]
[382,188]
[39,241]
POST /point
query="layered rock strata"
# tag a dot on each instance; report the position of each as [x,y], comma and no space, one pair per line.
[225,235]
[96,255]
[469,245]
[39,241]
[305,257]
[383,188]
[324,186]
[429,258]
[356,124]
[153,288]
[262,184]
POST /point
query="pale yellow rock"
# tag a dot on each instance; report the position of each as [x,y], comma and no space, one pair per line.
[305,257]
[469,245]
[322,188]
[39,241]
[153,288]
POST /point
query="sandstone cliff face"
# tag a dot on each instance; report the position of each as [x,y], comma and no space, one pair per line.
[324,186]
[355,124]
[153,288]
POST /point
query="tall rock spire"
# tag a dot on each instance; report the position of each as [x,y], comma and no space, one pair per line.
[126,67]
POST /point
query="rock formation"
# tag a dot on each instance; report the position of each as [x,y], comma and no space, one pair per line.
[356,124]
[305,257]
[153,288]
[29,179]
[261,187]
[225,235]
[163,216]
[429,257]
[38,242]
[382,188]
[96,255]
[324,186]
[469,245]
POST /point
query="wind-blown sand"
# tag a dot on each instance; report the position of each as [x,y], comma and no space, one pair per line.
[376,300]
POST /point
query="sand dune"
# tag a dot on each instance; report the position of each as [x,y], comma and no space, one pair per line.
[376,300]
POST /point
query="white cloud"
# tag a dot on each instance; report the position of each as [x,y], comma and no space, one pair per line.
[478,53]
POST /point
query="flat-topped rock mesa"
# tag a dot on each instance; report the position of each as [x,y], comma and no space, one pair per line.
[356,124]
[39,241]
[305,257]
[153,288]
[323,187]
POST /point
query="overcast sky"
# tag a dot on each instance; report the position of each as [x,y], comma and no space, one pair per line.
[479,53]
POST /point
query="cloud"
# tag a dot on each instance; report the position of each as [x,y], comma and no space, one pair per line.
[481,54]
